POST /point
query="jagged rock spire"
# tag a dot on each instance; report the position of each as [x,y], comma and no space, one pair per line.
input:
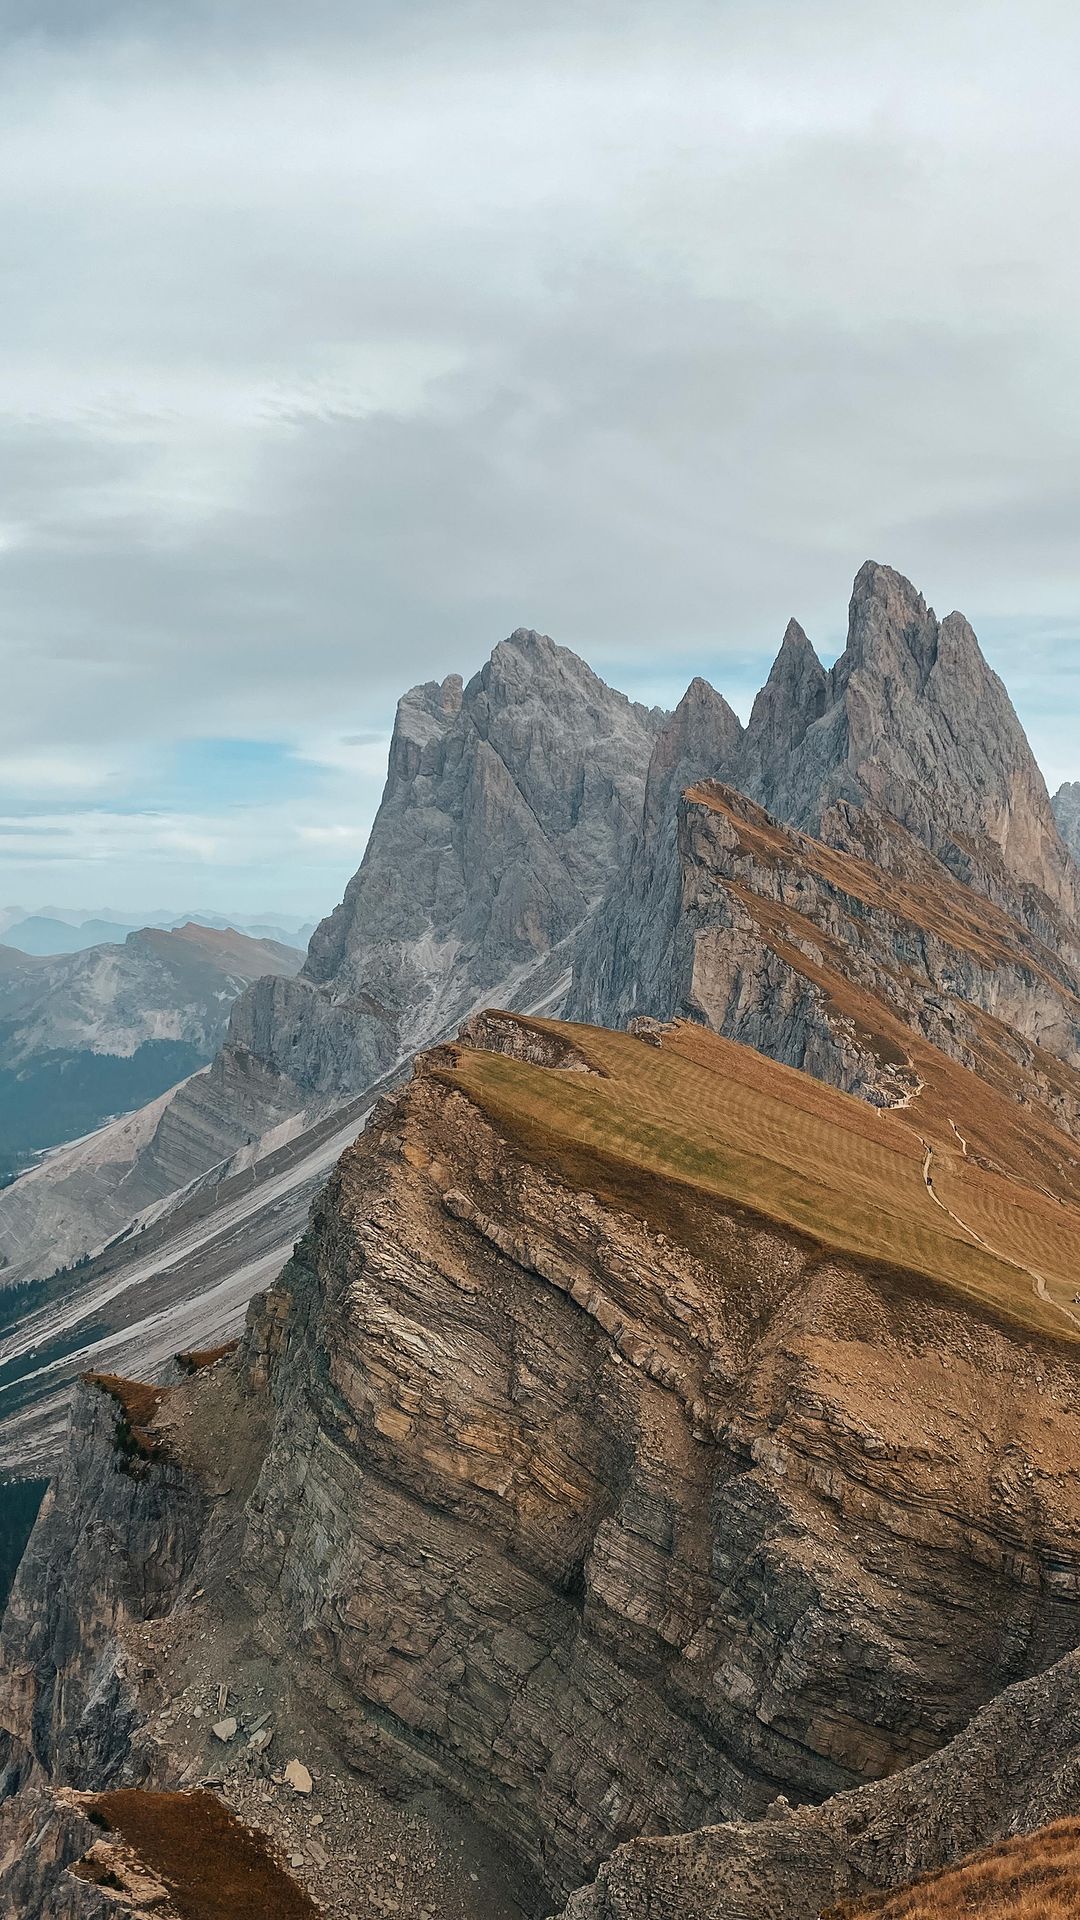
[702,739]
[791,700]
[913,720]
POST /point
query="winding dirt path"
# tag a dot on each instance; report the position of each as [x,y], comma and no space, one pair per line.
[1038,1281]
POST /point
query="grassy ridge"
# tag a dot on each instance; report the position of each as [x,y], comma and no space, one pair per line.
[704,1121]
[1033,1877]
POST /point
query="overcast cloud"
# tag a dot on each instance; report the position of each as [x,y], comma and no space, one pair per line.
[339,340]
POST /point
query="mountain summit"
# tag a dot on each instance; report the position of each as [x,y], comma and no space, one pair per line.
[912,720]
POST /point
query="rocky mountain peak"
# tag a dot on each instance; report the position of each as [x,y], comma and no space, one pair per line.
[890,627]
[791,700]
[701,739]
[529,640]
[507,803]
[422,718]
[530,670]
[913,720]
[796,657]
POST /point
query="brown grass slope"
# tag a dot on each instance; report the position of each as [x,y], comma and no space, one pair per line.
[702,1121]
[213,1866]
[1033,1877]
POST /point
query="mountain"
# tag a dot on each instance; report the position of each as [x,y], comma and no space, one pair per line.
[1066,805]
[41,935]
[507,807]
[86,1035]
[913,721]
[12,961]
[61,930]
[909,745]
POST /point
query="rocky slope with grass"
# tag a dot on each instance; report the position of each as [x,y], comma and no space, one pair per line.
[934,882]
[844,963]
[656,1466]
[613,1458]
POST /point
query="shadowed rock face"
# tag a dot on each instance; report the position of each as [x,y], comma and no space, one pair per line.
[1013,1770]
[1066,805]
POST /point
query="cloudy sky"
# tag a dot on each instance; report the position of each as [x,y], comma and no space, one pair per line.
[338,340]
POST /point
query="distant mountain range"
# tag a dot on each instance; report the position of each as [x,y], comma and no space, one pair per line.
[87,1035]
[54,930]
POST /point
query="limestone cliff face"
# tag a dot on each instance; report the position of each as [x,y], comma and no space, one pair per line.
[114,1543]
[625,940]
[1012,1771]
[913,720]
[506,810]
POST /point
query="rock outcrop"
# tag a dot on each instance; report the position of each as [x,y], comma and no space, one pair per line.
[1013,1771]
[845,965]
[912,720]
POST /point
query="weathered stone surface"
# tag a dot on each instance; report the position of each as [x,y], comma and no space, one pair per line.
[116,1538]
[913,720]
[1016,1767]
[841,963]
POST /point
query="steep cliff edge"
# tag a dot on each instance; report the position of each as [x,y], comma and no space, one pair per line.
[643,1431]
[845,956]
